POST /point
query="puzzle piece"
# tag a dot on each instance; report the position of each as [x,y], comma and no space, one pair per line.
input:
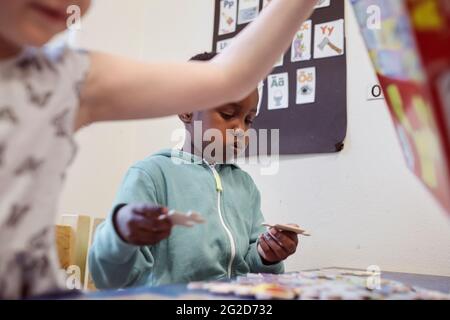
[185,219]
[286,227]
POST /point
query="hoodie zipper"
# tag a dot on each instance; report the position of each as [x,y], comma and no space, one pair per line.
[227,230]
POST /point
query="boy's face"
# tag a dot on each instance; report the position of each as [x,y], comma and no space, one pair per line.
[234,117]
[35,22]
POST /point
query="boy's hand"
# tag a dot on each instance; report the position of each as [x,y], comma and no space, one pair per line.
[142,224]
[275,245]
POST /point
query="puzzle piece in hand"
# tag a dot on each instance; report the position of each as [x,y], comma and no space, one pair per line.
[188,220]
[286,227]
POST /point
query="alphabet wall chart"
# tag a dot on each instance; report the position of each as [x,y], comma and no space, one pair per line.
[305,94]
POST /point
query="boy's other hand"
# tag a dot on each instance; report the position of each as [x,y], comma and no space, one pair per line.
[275,246]
[142,224]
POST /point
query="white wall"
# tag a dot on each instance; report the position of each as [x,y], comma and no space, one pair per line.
[147,30]
[362,206]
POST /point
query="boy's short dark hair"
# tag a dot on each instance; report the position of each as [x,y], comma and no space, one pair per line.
[206,56]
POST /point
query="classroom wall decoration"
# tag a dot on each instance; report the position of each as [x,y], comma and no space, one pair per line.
[305,94]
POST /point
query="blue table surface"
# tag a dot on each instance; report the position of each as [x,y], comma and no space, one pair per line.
[431,282]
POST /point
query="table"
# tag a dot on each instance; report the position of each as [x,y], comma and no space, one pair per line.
[180,291]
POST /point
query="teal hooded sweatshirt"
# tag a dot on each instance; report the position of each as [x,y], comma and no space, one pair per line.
[222,248]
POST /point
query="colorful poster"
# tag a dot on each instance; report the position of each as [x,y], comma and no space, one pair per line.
[301,45]
[278,97]
[306,85]
[248,11]
[323,4]
[228,16]
[221,45]
[329,39]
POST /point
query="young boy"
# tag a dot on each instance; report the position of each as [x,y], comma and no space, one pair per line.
[46,94]
[138,245]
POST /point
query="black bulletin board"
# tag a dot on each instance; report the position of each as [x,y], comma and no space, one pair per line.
[317,126]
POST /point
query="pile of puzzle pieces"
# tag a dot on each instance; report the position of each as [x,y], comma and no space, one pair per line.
[317,285]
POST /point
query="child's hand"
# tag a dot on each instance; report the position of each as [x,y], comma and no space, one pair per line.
[142,224]
[275,245]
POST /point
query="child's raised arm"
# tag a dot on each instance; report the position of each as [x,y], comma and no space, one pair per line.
[120,89]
